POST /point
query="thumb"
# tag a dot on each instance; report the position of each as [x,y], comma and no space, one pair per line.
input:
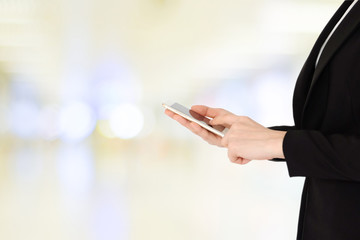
[225,120]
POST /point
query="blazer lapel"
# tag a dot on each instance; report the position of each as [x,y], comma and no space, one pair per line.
[307,73]
[341,34]
[344,30]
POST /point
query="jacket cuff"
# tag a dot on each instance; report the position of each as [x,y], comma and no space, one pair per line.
[295,152]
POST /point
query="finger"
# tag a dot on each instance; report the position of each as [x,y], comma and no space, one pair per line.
[245,161]
[232,156]
[242,161]
[195,128]
[218,127]
[239,160]
[225,120]
[169,113]
[225,141]
[205,134]
[208,111]
[175,116]
[181,120]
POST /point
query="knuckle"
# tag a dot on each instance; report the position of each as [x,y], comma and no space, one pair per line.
[231,158]
[225,115]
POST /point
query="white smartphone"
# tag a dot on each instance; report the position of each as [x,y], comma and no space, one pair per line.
[193,116]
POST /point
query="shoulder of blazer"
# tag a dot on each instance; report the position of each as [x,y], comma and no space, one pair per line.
[345,29]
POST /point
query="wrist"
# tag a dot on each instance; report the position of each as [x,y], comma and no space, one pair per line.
[277,140]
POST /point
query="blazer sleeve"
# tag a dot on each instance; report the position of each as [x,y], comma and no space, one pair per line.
[311,153]
[282,128]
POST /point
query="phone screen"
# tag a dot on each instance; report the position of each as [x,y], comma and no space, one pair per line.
[191,113]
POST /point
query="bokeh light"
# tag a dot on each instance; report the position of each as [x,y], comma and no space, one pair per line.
[77,121]
[24,119]
[126,121]
[49,122]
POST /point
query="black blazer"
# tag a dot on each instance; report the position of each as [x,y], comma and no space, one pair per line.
[324,145]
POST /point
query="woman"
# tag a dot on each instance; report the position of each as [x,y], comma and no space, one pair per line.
[324,144]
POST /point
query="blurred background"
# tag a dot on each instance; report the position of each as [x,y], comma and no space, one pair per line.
[85,149]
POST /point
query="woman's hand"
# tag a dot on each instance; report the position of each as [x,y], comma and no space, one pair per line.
[245,140]
[197,129]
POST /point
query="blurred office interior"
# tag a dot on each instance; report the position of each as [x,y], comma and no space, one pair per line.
[86,151]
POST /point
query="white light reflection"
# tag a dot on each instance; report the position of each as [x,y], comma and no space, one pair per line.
[126,121]
[77,121]
[49,123]
[24,119]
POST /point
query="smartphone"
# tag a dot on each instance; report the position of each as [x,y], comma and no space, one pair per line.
[193,116]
